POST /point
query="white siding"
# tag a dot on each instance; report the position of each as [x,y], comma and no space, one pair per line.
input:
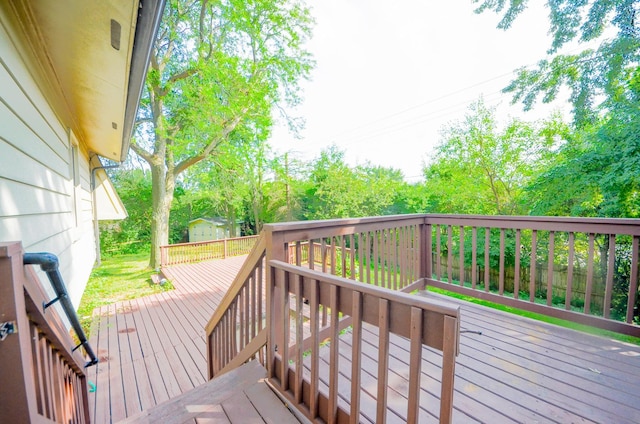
[37,205]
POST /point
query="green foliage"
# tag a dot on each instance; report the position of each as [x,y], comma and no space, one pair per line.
[218,70]
[335,190]
[133,234]
[594,173]
[480,169]
[591,75]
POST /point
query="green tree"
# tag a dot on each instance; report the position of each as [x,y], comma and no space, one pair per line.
[480,169]
[133,234]
[592,74]
[287,191]
[335,190]
[595,173]
[217,69]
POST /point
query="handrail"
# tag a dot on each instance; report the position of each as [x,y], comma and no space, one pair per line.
[458,253]
[44,380]
[411,252]
[421,321]
[562,267]
[383,251]
[49,264]
[244,297]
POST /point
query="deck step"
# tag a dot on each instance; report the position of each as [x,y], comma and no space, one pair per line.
[239,396]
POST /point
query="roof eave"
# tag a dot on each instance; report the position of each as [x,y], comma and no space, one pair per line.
[149,16]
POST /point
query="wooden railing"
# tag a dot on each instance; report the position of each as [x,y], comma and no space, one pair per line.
[245,328]
[183,253]
[589,266]
[495,258]
[585,269]
[381,251]
[236,332]
[334,398]
[43,378]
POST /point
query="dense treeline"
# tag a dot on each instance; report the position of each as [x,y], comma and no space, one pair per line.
[481,166]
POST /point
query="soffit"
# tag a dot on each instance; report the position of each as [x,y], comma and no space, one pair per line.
[85,78]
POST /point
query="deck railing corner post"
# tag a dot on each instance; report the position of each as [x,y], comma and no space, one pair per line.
[17,399]
[163,256]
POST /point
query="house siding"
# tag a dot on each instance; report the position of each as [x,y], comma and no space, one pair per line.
[37,203]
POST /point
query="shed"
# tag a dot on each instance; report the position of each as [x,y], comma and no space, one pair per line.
[204,229]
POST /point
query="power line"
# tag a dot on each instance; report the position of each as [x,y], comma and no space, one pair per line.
[431,101]
[490,100]
[428,102]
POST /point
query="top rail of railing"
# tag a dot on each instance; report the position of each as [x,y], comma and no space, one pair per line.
[627,226]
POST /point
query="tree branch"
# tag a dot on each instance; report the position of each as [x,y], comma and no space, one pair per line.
[141,152]
[209,148]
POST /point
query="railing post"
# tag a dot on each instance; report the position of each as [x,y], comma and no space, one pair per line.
[17,392]
[275,249]
[225,249]
[163,256]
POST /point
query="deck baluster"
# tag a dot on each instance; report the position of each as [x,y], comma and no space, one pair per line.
[487,262]
[474,257]
[516,274]
[356,350]
[589,288]
[501,264]
[609,284]
[550,263]
[532,266]
[633,281]
[383,361]
[461,257]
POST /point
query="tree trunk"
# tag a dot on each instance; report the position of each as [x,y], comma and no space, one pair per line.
[163,184]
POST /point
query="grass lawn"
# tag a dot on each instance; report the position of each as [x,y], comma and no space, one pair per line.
[540,317]
[117,278]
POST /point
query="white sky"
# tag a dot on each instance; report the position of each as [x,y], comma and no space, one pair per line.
[391,74]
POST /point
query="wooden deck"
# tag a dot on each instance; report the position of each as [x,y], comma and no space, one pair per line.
[152,349]
[521,370]
[517,370]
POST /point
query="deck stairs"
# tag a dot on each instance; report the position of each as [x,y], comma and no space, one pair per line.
[239,396]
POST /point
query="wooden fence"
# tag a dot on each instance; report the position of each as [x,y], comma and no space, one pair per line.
[559,280]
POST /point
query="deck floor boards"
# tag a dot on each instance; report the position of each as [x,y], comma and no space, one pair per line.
[153,350]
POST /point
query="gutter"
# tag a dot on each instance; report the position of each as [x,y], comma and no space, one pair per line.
[149,16]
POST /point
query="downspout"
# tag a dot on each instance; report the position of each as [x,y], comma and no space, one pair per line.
[96,228]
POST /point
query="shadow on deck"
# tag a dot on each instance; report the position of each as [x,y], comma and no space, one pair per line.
[518,370]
